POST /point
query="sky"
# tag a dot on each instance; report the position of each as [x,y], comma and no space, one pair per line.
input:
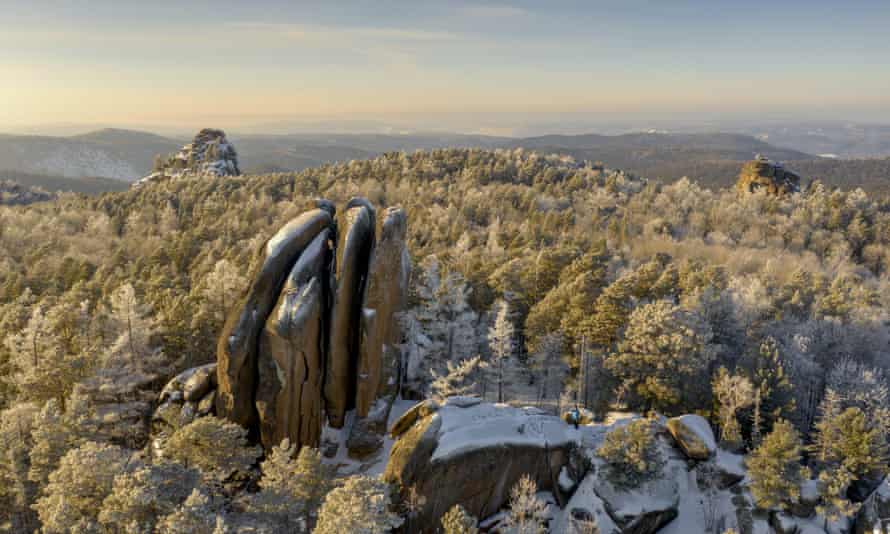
[237,63]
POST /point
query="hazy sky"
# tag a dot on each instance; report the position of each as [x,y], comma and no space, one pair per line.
[227,62]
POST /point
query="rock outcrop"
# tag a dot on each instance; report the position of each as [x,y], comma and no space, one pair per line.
[763,174]
[305,344]
[694,436]
[472,453]
[209,154]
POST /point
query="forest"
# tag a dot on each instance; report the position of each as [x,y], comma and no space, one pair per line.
[537,280]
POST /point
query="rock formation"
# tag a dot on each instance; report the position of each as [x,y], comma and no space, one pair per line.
[209,154]
[763,174]
[303,344]
[472,453]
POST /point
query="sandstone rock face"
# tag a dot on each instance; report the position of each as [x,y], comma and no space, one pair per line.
[291,354]
[386,295]
[346,313]
[763,174]
[694,436]
[303,343]
[238,343]
[473,454]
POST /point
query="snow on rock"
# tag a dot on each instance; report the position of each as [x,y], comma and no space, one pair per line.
[480,425]
[209,154]
[473,453]
[693,435]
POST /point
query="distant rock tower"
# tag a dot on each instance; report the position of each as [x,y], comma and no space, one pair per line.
[209,154]
[763,174]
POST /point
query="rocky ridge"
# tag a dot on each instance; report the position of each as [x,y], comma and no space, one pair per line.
[770,176]
[209,154]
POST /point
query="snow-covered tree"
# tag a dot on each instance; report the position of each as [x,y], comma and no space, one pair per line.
[221,287]
[549,365]
[460,379]
[141,498]
[16,490]
[76,490]
[502,340]
[217,447]
[664,351]
[528,513]
[459,521]
[199,514]
[732,392]
[445,323]
[361,505]
[292,489]
[631,454]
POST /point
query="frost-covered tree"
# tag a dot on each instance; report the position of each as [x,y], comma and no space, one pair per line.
[864,387]
[732,392]
[141,498]
[501,339]
[292,489]
[221,287]
[16,489]
[217,447]
[199,514]
[134,325]
[76,490]
[45,364]
[445,321]
[664,351]
[528,513]
[360,505]
[775,469]
[549,366]
[460,379]
[459,521]
[631,454]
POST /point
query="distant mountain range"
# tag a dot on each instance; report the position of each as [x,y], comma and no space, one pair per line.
[85,163]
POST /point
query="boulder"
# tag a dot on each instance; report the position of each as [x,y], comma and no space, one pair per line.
[201,381]
[693,435]
[238,342]
[346,311]
[473,455]
[291,353]
[641,510]
[585,508]
[386,295]
[207,404]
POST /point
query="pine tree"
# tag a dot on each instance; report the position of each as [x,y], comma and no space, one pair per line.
[460,379]
[292,489]
[458,521]
[217,447]
[199,514]
[775,470]
[631,453]
[501,338]
[140,499]
[360,505]
[73,497]
[528,513]
[732,392]
[665,349]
